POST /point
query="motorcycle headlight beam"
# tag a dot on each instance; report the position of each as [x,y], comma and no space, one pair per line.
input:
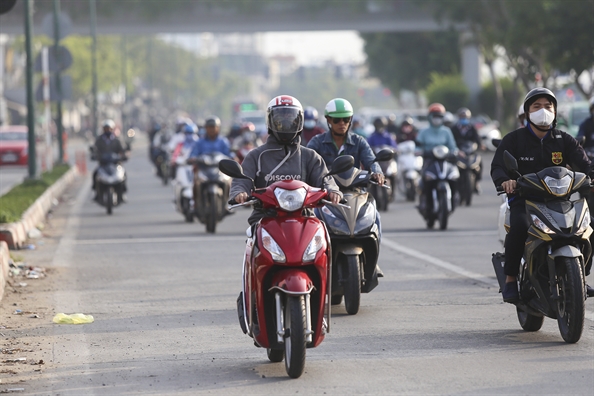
[290,200]
[316,243]
[272,247]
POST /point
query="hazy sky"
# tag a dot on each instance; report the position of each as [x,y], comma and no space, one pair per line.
[315,47]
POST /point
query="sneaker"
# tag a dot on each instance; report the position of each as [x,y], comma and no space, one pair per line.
[510,292]
[589,291]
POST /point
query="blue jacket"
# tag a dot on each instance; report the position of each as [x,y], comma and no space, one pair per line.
[354,145]
[381,138]
[431,137]
[207,146]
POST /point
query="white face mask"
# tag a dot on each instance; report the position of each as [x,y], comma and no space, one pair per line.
[542,117]
[436,121]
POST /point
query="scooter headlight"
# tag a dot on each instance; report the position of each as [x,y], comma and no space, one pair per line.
[585,223]
[316,243]
[541,225]
[558,186]
[272,247]
[328,212]
[366,219]
[290,200]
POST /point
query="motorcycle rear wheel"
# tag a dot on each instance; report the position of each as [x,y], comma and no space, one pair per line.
[275,355]
[529,322]
[443,212]
[295,344]
[570,306]
[410,190]
[188,214]
[352,285]
[164,173]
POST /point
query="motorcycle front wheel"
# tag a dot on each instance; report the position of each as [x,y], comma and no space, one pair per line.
[211,214]
[443,211]
[570,306]
[188,214]
[352,285]
[295,344]
[108,199]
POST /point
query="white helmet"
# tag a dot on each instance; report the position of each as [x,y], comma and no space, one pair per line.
[284,118]
[521,110]
[108,123]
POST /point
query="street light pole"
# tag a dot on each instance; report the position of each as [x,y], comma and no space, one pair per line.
[59,125]
[30,104]
[93,10]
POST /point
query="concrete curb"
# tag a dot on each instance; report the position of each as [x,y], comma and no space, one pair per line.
[15,234]
[4,266]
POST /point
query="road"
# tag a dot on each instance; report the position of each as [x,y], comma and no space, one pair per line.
[11,176]
[163,296]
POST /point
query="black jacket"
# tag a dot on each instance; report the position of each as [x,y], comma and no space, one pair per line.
[533,155]
[465,133]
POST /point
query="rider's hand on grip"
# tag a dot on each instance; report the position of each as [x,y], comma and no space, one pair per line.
[240,198]
[509,186]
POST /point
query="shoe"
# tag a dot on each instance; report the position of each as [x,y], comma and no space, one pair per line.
[380,273]
[589,291]
[510,292]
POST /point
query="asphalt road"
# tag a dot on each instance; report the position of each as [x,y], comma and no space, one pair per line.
[11,176]
[163,296]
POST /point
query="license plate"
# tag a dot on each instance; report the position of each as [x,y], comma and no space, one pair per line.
[10,157]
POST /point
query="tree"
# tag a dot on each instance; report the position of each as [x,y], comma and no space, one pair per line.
[406,60]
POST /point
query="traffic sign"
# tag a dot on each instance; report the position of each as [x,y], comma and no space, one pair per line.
[65,25]
[64,57]
[66,89]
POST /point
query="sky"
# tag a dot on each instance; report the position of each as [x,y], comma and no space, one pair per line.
[312,48]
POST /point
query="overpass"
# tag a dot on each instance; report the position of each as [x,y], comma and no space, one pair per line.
[148,17]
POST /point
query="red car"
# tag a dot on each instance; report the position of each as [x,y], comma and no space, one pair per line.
[14,145]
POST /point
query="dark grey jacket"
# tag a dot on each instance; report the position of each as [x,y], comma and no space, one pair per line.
[298,163]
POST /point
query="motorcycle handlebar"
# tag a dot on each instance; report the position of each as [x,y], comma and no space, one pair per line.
[325,201]
[383,185]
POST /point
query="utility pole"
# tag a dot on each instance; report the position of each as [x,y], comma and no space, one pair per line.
[93,11]
[59,125]
[124,83]
[30,98]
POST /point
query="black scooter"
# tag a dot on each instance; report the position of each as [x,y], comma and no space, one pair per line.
[355,237]
[552,279]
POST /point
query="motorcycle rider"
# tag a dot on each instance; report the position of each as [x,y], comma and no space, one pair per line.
[464,131]
[357,127]
[536,146]
[310,125]
[434,135]
[184,148]
[282,157]
[105,145]
[407,130]
[337,141]
[587,128]
[380,136]
[211,143]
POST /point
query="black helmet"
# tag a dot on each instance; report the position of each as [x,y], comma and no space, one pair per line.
[380,123]
[537,93]
[408,120]
[212,121]
[285,119]
[463,112]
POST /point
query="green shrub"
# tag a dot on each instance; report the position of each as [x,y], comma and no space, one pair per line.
[449,90]
[15,202]
[511,102]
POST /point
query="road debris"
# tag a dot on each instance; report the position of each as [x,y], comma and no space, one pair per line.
[78,318]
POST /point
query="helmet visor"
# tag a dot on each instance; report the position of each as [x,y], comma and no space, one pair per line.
[286,120]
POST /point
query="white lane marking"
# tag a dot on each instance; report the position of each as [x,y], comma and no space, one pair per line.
[68,301]
[124,241]
[451,267]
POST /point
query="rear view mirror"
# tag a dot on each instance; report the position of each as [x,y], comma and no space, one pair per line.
[511,164]
[232,168]
[496,142]
[384,155]
[341,164]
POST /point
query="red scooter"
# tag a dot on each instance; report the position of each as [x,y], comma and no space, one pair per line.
[285,305]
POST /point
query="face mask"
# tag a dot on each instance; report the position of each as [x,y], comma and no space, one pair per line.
[309,124]
[542,117]
[464,121]
[437,121]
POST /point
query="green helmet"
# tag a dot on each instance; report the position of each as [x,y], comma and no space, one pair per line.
[338,108]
